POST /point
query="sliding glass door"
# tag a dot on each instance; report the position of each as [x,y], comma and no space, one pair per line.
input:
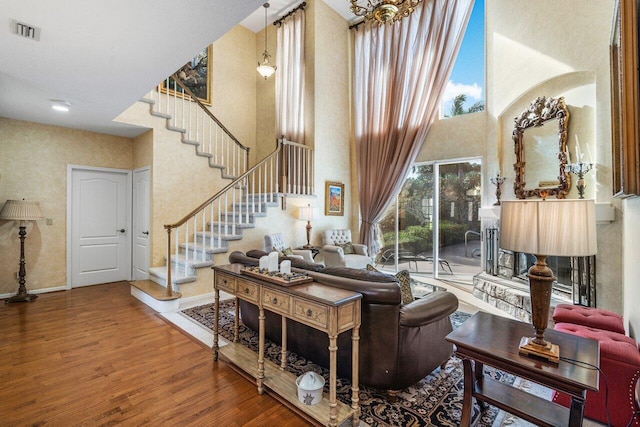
[433,228]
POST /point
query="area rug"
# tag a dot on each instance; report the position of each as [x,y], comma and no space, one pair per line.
[435,401]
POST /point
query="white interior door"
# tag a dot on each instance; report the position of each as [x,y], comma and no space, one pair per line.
[99,220]
[141,223]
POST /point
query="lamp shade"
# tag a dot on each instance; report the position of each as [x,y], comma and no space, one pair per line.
[21,210]
[549,227]
[307,213]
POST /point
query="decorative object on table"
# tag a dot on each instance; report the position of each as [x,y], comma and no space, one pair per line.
[263,263]
[334,198]
[579,168]
[273,261]
[277,277]
[498,181]
[265,69]
[383,11]
[310,387]
[307,213]
[21,210]
[285,267]
[546,228]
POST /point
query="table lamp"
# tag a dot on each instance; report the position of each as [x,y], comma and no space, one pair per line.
[546,228]
[21,210]
[307,213]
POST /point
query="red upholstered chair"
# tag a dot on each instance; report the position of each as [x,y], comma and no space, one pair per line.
[619,361]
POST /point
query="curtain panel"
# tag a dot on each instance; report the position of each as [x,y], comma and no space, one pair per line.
[290,78]
[400,74]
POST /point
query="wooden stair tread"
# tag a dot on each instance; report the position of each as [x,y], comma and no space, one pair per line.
[155,290]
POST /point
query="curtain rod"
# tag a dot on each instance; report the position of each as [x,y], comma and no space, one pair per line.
[355,26]
[278,22]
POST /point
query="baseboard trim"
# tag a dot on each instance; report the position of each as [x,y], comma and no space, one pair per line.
[35,291]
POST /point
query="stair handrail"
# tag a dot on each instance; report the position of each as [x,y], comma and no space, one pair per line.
[225,189]
[195,99]
[210,200]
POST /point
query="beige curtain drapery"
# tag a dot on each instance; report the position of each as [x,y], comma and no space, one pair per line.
[290,78]
[401,71]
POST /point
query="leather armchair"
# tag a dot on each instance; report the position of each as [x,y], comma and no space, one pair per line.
[334,254]
[276,242]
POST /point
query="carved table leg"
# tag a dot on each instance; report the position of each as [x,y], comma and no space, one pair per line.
[236,321]
[283,353]
[576,411]
[355,389]
[479,376]
[260,378]
[216,308]
[467,400]
[333,349]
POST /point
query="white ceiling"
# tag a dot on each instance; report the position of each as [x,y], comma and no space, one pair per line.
[102,56]
[278,8]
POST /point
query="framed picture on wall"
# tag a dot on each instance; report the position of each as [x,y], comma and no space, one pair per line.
[195,75]
[334,198]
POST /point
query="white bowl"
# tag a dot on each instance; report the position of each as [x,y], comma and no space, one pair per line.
[310,387]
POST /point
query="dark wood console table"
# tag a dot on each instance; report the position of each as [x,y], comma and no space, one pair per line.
[493,340]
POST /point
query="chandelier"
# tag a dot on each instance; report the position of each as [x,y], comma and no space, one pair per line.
[383,11]
[264,68]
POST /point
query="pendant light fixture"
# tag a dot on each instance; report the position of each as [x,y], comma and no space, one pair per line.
[264,68]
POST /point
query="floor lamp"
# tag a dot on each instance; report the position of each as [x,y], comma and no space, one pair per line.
[546,228]
[21,210]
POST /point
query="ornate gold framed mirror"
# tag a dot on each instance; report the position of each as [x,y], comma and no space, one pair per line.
[540,137]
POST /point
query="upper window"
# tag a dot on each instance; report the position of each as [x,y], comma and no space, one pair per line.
[465,89]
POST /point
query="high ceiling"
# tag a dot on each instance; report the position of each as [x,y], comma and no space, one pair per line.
[103,56]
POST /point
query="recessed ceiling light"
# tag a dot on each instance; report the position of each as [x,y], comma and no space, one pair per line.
[60,105]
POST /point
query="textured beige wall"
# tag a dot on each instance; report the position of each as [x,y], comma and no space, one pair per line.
[234,89]
[33,164]
[554,56]
[631,290]
[329,93]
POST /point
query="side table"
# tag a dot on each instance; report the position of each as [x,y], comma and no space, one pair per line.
[315,250]
[493,340]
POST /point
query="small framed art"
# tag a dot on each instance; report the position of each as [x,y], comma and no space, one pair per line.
[334,198]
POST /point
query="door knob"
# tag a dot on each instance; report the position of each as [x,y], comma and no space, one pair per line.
[146,233]
[122,230]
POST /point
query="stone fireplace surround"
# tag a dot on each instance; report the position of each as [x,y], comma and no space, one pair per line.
[503,285]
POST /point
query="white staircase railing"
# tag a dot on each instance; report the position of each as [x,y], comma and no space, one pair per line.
[297,169]
[206,230]
[186,114]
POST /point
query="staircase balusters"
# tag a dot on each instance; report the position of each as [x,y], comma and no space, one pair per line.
[235,205]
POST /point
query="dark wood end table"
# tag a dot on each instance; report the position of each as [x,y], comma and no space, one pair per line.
[315,250]
[493,340]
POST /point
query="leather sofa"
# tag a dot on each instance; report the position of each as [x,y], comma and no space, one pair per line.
[399,344]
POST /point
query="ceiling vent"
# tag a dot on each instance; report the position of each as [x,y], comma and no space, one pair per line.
[25,30]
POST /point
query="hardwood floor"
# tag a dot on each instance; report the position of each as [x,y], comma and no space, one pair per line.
[97,356]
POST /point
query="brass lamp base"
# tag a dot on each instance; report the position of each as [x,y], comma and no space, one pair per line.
[26,297]
[549,352]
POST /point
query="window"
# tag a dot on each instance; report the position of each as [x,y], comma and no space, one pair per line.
[465,90]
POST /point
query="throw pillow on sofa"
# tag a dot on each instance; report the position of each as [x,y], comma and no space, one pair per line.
[286,251]
[348,248]
[404,279]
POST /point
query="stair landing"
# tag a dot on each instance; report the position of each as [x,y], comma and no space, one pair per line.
[155,290]
[155,296]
